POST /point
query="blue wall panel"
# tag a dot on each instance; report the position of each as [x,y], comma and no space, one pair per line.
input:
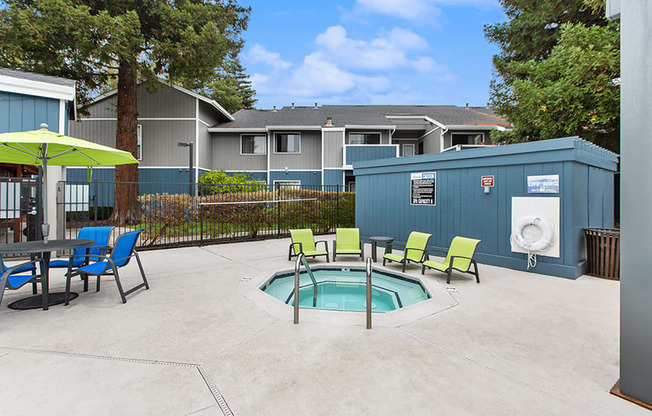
[151,181]
[586,199]
[24,112]
[333,177]
[310,178]
[368,152]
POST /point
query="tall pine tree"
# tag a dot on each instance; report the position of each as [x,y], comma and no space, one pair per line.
[93,40]
[231,87]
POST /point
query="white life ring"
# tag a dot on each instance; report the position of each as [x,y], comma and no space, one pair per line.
[547,234]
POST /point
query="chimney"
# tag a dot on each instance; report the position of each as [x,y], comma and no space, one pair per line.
[274,110]
[329,122]
[316,106]
[293,106]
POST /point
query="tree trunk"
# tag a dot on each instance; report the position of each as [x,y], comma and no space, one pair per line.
[126,209]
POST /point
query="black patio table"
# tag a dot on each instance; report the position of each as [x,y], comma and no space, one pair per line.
[380,239]
[45,249]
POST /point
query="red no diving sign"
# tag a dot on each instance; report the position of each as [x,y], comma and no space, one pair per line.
[488,181]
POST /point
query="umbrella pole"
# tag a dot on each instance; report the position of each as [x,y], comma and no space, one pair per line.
[45,227]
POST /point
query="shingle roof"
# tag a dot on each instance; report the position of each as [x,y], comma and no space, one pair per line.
[376,115]
[37,77]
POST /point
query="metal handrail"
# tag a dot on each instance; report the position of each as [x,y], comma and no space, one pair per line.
[368,269]
[297,271]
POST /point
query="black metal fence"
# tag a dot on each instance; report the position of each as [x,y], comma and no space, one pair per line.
[172,217]
[19,217]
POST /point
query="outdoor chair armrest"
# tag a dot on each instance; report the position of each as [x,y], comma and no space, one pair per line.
[437,250]
[103,256]
[295,250]
[405,252]
[11,269]
[105,248]
[322,241]
[460,257]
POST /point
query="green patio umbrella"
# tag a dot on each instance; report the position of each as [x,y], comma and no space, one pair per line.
[43,147]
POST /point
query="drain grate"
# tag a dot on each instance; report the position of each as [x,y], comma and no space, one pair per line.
[221,402]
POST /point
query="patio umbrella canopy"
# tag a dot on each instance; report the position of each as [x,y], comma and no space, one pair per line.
[43,147]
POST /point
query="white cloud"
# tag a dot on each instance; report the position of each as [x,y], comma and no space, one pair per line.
[385,52]
[346,69]
[258,54]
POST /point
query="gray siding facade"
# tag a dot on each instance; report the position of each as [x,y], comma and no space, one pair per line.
[333,150]
[226,154]
[309,158]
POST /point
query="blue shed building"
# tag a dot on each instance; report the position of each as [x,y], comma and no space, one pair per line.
[579,174]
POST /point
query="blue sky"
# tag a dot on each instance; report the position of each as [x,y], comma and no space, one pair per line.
[370,51]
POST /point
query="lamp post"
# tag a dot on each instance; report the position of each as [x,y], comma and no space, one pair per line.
[190,146]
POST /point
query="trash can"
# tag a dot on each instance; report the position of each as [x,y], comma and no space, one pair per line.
[603,252]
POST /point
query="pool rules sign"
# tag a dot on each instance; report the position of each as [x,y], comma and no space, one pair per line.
[423,188]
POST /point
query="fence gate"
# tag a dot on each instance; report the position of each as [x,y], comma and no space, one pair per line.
[19,216]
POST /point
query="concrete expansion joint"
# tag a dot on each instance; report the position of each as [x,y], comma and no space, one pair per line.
[219,399]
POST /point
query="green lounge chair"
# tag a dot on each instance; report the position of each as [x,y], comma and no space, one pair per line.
[415,250]
[304,242]
[347,241]
[459,257]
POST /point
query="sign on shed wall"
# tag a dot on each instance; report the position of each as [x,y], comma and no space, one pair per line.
[423,188]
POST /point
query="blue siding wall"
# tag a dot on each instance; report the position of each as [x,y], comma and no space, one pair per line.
[368,152]
[333,177]
[24,112]
[586,198]
[312,178]
[171,181]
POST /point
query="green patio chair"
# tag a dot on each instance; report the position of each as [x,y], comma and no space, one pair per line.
[415,250]
[304,242]
[459,257]
[347,241]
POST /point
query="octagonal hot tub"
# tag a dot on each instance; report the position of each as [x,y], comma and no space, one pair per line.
[344,289]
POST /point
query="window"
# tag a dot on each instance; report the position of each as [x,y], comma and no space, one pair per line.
[139,143]
[287,184]
[408,150]
[364,138]
[253,145]
[288,143]
[474,138]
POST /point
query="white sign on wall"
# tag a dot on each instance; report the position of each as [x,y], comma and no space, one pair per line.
[423,188]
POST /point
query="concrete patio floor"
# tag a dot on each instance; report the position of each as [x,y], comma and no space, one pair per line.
[202,342]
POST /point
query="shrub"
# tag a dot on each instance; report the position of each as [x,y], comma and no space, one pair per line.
[219,182]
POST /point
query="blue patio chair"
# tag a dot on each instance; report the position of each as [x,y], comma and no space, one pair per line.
[13,277]
[24,268]
[101,236]
[108,265]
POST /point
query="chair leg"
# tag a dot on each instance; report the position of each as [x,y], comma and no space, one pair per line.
[423,269]
[334,250]
[117,281]
[84,278]
[404,263]
[142,271]
[384,261]
[450,271]
[97,283]
[67,295]
[477,273]
[34,288]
